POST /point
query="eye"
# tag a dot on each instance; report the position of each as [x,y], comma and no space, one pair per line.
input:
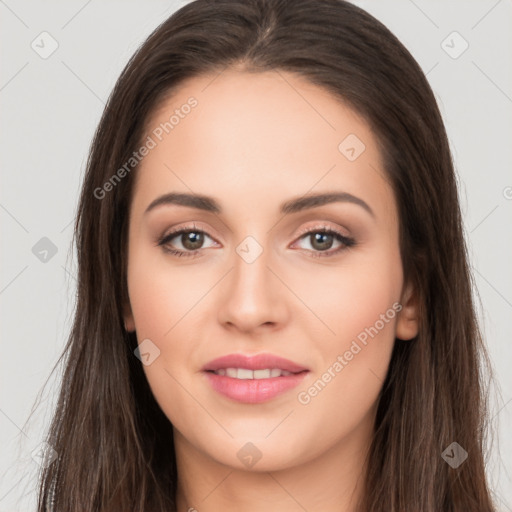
[322,239]
[190,240]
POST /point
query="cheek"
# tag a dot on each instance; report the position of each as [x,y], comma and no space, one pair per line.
[365,305]
[360,305]
[166,302]
[161,294]
[346,301]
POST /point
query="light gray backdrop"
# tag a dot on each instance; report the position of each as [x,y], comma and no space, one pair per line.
[59,62]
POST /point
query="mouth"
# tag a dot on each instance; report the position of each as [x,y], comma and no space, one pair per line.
[253,379]
[245,373]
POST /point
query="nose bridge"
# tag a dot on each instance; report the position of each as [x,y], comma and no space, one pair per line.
[251,277]
[251,296]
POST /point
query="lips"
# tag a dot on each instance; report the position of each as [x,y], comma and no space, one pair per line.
[253,379]
[255,362]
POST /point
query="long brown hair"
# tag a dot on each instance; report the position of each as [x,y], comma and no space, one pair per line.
[114,444]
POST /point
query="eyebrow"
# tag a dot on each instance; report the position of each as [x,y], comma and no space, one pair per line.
[295,205]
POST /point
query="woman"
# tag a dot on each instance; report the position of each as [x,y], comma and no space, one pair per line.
[274,303]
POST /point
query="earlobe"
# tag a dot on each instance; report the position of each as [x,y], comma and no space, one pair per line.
[407,324]
[129,322]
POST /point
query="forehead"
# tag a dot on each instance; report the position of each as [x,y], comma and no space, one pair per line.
[258,138]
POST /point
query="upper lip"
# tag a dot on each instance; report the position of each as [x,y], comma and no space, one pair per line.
[253,362]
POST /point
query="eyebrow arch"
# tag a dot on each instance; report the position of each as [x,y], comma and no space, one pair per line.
[315,200]
[295,205]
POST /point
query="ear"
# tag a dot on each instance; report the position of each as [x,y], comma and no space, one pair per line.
[129,322]
[407,324]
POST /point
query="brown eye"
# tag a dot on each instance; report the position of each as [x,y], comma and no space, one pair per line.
[185,242]
[192,240]
[321,241]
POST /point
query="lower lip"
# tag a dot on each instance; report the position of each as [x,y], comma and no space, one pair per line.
[253,391]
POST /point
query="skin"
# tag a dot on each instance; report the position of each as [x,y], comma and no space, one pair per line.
[254,141]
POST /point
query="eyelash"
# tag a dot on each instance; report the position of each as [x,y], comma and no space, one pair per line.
[346,242]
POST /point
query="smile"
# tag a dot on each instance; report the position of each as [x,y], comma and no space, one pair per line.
[253,379]
[244,373]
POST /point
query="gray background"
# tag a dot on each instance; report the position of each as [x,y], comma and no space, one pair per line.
[51,106]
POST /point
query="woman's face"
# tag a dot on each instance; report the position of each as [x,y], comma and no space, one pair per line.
[257,280]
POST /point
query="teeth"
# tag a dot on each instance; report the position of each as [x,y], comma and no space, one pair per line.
[265,374]
[232,372]
[244,373]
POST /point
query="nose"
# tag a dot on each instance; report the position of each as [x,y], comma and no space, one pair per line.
[252,297]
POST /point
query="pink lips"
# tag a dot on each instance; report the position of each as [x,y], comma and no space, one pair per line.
[253,390]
